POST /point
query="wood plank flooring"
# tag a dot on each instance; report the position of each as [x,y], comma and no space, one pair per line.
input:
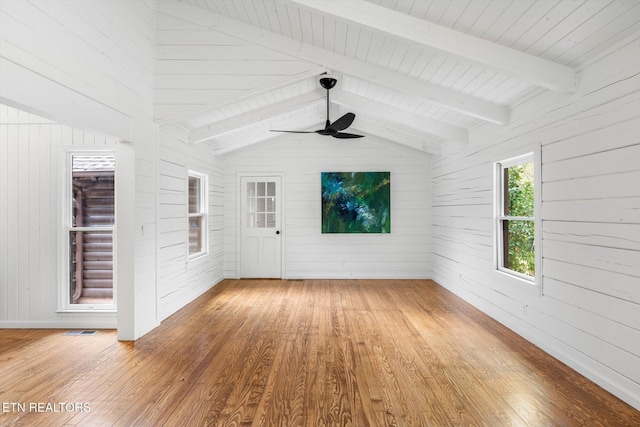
[302,353]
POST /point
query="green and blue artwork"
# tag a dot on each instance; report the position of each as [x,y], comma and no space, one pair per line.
[356,202]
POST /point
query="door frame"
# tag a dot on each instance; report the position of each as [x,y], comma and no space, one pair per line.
[283,234]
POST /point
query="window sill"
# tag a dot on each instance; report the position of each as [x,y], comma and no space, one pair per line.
[88,310]
[197,257]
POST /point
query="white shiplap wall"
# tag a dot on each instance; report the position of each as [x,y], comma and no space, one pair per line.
[31,154]
[404,253]
[589,313]
[91,64]
[180,281]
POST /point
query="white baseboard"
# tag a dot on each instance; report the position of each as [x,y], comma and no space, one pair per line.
[58,324]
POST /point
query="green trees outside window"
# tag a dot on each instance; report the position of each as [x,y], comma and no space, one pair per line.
[518,223]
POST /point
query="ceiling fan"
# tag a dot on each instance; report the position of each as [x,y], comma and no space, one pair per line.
[334,129]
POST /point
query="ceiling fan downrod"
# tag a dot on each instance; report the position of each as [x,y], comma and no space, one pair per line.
[327,83]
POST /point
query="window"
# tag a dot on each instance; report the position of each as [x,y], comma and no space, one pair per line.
[516,229]
[90,222]
[197,216]
[261,204]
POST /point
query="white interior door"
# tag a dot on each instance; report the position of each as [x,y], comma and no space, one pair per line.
[260,227]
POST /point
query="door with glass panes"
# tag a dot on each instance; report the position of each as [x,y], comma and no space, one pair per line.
[260,217]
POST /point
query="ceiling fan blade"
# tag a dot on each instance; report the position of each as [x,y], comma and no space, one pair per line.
[343,122]
[292,131]
[344,135]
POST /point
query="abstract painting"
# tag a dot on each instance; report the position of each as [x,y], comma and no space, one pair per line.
[356,202]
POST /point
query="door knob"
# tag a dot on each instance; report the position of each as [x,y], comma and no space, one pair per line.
[277,231]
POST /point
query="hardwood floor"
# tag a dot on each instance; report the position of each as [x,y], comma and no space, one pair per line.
[302,353]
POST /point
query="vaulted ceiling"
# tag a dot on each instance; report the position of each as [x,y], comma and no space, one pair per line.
[416,72]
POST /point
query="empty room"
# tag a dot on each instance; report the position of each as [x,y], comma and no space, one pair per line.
[320,212]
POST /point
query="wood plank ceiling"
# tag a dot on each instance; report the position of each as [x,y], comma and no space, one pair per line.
[416,72]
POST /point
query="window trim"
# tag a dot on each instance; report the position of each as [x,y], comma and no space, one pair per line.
[204,214]
[529,155]
[66,227]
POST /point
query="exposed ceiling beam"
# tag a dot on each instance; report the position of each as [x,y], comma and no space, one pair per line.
[397,136]
[225,145]
[248,94]
[448,98]
[23,88]
[512,62]
[258,139]
[212,130]
[405,118]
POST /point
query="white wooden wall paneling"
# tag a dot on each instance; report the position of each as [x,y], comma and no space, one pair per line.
[618,185]
[31,204]
[612,259]
[179,280]
[587,347]
[447,264]
[21,225]
[566,132]
[34,199]
[95,62]
[463,197]
[620,134]
[47,220]
[623,210]
[617,235]
[574,124]
[618,285]
[473,280]
[403,253]
[9,195]
[456,250]
[623,159]
[588,315]
[469,248]
[596,313]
